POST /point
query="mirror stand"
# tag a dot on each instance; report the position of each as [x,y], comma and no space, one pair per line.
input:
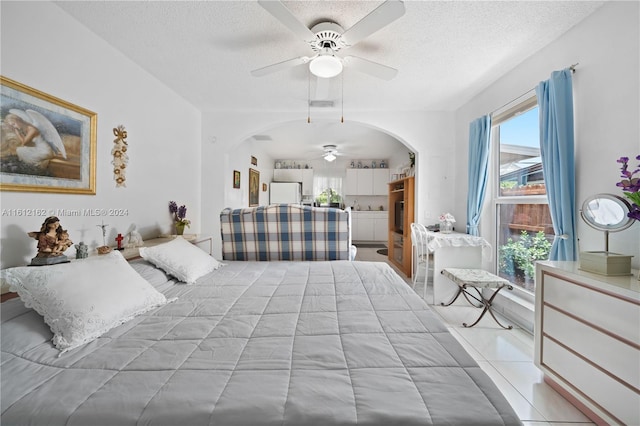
[607,213]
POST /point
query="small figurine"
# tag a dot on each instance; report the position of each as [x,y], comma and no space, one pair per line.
[133,238]
[104,248]
[119,239]
[52,242]
[82,250]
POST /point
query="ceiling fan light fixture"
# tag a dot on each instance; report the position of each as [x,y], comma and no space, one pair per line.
[326,65]
[329,157]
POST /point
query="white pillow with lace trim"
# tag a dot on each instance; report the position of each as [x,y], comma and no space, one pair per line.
[180,259]
[84,299]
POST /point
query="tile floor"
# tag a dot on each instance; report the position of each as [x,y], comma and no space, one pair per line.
[507,357]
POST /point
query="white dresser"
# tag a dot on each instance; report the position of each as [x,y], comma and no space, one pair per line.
[587,339]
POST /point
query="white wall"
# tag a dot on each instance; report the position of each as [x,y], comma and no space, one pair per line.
[240,159]
[606,89]
[46,49]
[430,135]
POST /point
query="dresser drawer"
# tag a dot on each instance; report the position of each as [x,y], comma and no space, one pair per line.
[617,358]
[600,388]
[612,313]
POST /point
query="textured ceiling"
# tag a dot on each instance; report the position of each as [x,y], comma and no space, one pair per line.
[446,51]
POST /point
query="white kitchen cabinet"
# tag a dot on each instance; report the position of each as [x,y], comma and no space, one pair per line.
[380,181]
[587,339]
[381,227]
[366,182]
[369,225]
[296,175]
[287,175]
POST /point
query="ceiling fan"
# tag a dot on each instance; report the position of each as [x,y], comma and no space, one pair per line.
[330,153]
[327,38]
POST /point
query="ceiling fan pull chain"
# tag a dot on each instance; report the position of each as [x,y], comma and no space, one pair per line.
[342,101]
[308,96]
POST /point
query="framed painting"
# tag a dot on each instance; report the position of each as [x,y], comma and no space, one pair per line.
[236,179]
[46,143]
[254,187]
[254,161]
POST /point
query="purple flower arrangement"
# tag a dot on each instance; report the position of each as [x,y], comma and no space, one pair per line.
[179,214]
[630,185]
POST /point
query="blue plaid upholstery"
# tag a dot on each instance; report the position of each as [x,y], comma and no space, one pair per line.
[285,232]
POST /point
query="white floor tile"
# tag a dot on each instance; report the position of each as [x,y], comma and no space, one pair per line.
[521,406]
[528,380]
[497,344]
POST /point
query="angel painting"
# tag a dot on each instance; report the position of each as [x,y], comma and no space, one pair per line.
[46,144]
[40,141]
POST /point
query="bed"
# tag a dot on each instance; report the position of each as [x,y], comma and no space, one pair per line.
[244,343]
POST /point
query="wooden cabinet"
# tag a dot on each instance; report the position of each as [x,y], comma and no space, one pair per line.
[401,206]
[587,339]
[366,181]
[296,175]
[369,225]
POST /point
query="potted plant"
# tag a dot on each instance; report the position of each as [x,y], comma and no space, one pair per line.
[179,217]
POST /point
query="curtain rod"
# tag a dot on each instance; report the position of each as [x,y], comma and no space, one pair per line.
[573,70]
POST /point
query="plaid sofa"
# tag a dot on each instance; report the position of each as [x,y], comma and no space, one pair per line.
[286,232]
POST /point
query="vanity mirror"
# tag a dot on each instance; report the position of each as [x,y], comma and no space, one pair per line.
[607,213]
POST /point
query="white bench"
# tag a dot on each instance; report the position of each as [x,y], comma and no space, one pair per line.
[477,279]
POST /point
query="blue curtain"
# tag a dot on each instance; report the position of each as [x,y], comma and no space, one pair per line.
[479,139]
[555,101]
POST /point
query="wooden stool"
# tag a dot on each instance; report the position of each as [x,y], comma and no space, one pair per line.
[476,279]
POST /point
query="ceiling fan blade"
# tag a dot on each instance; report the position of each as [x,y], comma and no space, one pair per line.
[379,18]
[269,69]
[284,15]
[372,68]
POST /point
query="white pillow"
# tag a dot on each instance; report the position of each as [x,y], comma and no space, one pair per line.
[181,259]
[83,299]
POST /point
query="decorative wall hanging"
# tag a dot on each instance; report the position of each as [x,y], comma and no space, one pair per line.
[120,157]
[236,179]
[264,187]
[254,161]
[254,187]
[47,144]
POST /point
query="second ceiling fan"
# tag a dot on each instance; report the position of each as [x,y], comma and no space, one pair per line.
[327,38]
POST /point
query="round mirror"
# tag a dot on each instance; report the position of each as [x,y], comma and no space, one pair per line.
[606,212]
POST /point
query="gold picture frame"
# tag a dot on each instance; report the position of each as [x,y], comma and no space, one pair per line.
[46,144]
[254,187]
[236,179]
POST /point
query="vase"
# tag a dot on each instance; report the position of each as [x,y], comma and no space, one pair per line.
[180,228]
[446,227]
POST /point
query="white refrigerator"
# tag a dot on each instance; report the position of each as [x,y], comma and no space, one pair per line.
[285,193]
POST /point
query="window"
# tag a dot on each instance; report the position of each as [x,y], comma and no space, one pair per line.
[327,187]
[523,222]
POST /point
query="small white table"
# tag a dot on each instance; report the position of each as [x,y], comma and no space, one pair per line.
[453,250]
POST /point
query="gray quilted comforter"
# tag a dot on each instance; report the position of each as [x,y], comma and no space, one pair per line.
[255,343]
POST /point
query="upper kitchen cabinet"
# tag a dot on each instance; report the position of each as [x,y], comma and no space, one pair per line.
[296,175]
[366,182]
